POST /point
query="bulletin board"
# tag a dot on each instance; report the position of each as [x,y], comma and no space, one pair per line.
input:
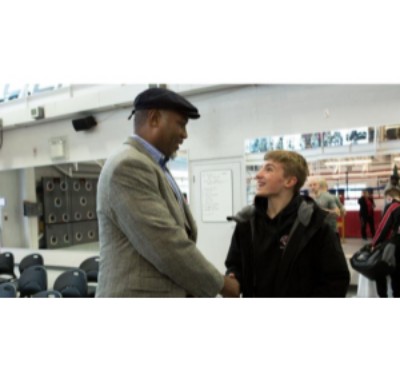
[216,195]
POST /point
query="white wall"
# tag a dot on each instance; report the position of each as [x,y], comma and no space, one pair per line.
[30,147]
[13,229]
[27,186]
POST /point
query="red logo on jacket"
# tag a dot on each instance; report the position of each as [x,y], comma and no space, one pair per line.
[283,241]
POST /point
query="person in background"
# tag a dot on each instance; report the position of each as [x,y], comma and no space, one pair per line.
[325,200]
[146,231]
[366,213]
[282,245]
[324,189]
[393,183]
[390,227]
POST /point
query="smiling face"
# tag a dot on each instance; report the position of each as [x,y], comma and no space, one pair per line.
[170,132]
[271,179]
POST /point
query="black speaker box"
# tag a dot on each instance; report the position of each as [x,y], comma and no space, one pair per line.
[83,124]
[392,134]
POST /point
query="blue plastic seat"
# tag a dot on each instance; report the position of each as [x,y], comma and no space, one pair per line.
[34,259]
[32,280]
[7,267]
[72,284]
[8,290]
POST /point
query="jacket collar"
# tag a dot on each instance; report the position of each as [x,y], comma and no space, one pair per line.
[304,213]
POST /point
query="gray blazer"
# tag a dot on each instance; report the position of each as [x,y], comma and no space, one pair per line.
[147,242]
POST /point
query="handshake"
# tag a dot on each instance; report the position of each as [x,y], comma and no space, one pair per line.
[231,288]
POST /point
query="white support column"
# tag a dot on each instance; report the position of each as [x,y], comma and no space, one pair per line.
[28,193]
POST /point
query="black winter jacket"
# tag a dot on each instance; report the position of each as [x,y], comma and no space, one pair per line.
[389,225]
[363,212]
[312,264]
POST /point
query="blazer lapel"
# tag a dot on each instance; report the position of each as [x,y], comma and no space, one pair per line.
[182,216]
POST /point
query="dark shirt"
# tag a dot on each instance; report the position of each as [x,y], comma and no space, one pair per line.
[364,208]
[270,241]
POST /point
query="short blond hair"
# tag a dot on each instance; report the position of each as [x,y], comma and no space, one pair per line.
[293,164]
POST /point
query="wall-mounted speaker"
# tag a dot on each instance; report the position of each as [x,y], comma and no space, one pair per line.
[82,124]
[37,112]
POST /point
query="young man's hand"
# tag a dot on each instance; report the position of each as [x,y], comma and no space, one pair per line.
[231,288]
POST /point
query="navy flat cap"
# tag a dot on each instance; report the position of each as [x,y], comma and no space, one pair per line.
[160,98]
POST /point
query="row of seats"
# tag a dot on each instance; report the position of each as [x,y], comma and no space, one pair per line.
[32,282]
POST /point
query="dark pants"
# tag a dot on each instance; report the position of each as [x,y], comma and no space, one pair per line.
[381,284]
[370,221]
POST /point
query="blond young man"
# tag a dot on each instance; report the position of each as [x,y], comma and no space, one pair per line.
[282,245]
[319,191]
[325,189]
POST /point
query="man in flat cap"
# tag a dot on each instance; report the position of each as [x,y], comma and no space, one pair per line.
[147,233]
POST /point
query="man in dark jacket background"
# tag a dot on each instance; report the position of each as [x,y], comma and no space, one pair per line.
[282,245]
[367,206]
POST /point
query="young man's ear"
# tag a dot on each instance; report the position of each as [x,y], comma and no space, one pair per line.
[291,181]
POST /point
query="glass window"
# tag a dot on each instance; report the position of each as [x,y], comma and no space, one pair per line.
[10,92]
[39,88]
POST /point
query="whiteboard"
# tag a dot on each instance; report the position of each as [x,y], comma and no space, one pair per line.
[216,195]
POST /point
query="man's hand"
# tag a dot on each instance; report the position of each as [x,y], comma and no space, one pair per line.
[231,288]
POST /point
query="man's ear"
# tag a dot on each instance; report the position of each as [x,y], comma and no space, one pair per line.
[154,117]
[290,182]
